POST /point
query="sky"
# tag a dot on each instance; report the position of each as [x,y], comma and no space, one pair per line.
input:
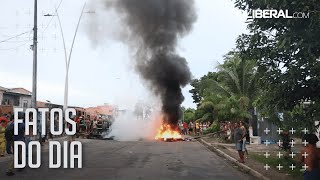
[101,73]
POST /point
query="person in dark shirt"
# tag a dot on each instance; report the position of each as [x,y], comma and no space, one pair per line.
[18,137]
[238,139]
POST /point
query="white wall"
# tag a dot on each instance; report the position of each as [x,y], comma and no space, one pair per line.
[25,98]
[1,96]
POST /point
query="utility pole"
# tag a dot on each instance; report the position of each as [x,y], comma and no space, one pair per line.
[34,74]
[34,48]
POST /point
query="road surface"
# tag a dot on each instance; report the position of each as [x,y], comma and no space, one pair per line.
[105,159]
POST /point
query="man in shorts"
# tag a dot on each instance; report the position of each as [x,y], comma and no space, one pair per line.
[238,136]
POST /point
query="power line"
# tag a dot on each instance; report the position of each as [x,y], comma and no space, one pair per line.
[14,36]
[13,48]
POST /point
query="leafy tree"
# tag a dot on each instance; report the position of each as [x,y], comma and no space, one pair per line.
[288,52]
[189,115]
[200,86]
[228,93]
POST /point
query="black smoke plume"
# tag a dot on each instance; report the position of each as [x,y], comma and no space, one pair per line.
[154,28]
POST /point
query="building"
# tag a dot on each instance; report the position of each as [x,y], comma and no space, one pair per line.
[103,110]
[16,97]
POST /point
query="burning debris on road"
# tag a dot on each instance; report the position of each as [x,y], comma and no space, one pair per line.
[168,133]
[154,27]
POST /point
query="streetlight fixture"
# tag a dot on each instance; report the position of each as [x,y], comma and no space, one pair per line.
[67,59]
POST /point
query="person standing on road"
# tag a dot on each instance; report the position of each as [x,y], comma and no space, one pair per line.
[312,159]
[20,137]
[244,139]
[2,136]
[191,126]
[238,136]
[201,128]
[185,128]
[197,129]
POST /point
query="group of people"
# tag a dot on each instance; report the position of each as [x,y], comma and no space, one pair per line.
[87,125]
[194,128]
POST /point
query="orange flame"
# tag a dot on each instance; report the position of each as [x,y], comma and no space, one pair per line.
[166,132]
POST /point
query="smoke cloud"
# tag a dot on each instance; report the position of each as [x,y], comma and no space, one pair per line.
[154,28]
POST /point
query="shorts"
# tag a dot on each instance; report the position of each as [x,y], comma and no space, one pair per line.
[239,146]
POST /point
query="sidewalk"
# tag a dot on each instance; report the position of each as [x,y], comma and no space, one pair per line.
[251,166]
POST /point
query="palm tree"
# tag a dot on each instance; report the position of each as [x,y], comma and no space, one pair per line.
[235,89]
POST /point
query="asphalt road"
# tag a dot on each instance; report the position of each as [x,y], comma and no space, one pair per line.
[105,159]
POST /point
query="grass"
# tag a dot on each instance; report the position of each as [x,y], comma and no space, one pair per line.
[274,161]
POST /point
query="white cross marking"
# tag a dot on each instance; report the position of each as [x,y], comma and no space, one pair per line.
[279,142]
[279,167]
[305,154]
[292,166]
[305,131]
[292,155]
[305,143]
[292,131]
[266,130]
[266,142]
[279,154]
[305,167]
[292,143]
[266,154]
[267,167]
[279,131]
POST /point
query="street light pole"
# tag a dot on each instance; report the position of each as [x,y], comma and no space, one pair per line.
[34,48]
[68,59]
[66,89]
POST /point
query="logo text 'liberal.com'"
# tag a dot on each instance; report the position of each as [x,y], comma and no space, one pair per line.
[274,13]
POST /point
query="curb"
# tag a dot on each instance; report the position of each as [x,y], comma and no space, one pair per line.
[243,167]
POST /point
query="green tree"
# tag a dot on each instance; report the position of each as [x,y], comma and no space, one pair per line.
[189,115]
[228,93]
[200,86]
[287,53]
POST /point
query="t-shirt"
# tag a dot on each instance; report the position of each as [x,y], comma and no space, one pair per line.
[238,133]
[185,125]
